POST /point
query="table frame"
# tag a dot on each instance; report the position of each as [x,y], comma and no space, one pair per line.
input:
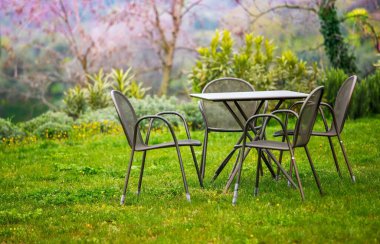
[235,97]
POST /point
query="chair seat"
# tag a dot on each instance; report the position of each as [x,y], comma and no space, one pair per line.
[329,133]
[168,144]
[266,144]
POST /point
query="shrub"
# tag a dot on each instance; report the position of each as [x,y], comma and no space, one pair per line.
[121,80]
[136,90]
[373,86]
[97,91]
[126,84]
[359,104]
[49,117]
[253,62]
[104,114]
[53,130]
[366,97]
[75,102]
[332,80]
[154,104]
[192,114]
[9,130]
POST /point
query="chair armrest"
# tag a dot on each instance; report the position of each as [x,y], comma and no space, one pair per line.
[180,116]
[296,104]
[323,104]
[268,117]
[153,117]
[287,112]
[331,110]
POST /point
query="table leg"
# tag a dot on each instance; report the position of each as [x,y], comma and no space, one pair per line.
[233,174]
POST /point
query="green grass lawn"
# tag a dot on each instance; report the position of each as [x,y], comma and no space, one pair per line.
[69,190]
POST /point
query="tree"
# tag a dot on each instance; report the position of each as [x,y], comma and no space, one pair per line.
[161,25]
[59,30]
[336,48]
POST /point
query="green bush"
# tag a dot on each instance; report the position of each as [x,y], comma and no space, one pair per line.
[97,92]
[192,114]
[52,130]
[9,130]
[100,115]
[373,86]
[126,84]
[253,62]
[74,102]
[332,80]
[359,106]
[366,97]
[154,104]
[49,117]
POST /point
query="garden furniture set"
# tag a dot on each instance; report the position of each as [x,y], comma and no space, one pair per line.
[232,105]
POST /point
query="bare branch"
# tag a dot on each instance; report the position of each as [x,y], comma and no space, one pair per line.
[275,8]
[188,8]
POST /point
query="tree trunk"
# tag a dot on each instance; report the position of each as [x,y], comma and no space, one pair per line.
[167,67]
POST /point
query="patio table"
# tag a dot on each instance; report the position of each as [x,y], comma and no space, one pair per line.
[236,97]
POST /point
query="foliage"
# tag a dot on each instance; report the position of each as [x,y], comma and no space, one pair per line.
[377,64]
[99,115]
[360,13]
[97,91]
[154,104]
[336,49]
[332,80]
[253,62]
[75,101]
[366,97]
[78,183]
[8,130]
[373,91]
[126,84]
[49,117]
[136,90]
[52,130]
[121,80]
[192,114]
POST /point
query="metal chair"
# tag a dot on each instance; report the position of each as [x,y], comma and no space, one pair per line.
[131,127]
[339,114]
[216,116]
[302,133]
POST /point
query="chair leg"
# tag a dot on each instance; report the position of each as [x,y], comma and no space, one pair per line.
[204,151]
[290,170]
[256,191]
[235,170]
[346,159]
[122,200]
[287,176]
[235,164]
[239,168]
[268,164]
[297,174]
[183,174]
[313,169]
[334,156]
[141,173]
[196,166]
[280,161]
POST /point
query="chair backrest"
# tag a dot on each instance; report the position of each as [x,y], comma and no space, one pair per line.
[307,117]
[342,101]
[127,117]
[217,115]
